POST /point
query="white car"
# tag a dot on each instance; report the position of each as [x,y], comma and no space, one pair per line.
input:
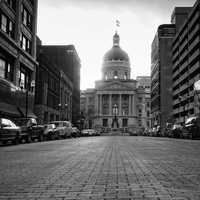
[63,128]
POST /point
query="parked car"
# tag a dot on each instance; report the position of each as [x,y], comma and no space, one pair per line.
[9,131]
[192,125]
[75,132]
[90,132]
[63,128]
[49,132]
[85,132]
[30,129]
[176,130]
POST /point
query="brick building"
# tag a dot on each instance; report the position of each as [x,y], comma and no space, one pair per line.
[18,21]
[68,64]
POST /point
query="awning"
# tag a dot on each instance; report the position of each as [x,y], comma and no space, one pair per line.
[9,109]
[29,113]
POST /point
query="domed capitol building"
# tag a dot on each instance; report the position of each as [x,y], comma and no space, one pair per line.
[117,102]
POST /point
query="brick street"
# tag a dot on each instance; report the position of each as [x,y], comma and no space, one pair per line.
[140,168]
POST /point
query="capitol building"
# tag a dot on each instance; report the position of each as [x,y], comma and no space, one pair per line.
[117,102]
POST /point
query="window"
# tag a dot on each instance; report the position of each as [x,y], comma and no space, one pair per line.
[125,75]
[6,70]
[124,122]
[25,79]
[11,3]
[140,99]
[25,43]
[105,122]
[26,18]
[115,74]
[7,25]
[2,68]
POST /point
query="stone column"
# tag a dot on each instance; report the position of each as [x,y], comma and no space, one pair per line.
[110,104]
[120,104]
[129,106]
[133,106]
[100,106]
[96,104]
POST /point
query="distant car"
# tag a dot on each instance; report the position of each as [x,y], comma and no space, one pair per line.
[90,132]
[75,132]
[49,132]
[176,130]
[63,128]
[9,131]
[85,132]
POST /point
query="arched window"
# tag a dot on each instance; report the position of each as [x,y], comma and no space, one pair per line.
[115,75]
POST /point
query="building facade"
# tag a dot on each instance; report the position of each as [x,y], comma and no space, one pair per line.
[115,102]
[18,20]
[68,64]
[161,75]
[53,99]
[186,63]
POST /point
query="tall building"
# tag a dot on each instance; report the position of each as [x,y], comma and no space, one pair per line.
[18,20]
[68,63]
[116,103]
[186,63]
[144,83]
[47,90]
[161,75]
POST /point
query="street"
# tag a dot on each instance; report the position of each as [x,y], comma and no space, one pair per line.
[139,168]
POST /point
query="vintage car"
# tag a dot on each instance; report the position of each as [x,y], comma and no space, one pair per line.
[75,132]
[49,132]
[30,129]
[9,131]
[63,128]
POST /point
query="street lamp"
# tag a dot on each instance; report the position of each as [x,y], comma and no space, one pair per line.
[60,109]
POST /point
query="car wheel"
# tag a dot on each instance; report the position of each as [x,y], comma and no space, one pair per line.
[16,140]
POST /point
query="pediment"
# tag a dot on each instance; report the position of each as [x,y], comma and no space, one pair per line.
[116,86]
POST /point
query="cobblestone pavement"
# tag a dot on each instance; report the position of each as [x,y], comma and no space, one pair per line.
[139,168]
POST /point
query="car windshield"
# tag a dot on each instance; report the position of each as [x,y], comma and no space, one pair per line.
[26,122]
[190,120]
[7,123]
[57,124]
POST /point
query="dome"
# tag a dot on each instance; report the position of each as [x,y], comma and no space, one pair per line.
[116,53]
[116,64]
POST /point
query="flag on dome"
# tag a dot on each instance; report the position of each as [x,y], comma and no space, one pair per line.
[118,23]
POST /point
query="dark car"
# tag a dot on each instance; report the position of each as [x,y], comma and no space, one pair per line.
[75,132]
[192,124]
[176,130]
[9,131]
[30,129]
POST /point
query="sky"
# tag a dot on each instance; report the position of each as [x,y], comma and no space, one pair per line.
[90,25]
